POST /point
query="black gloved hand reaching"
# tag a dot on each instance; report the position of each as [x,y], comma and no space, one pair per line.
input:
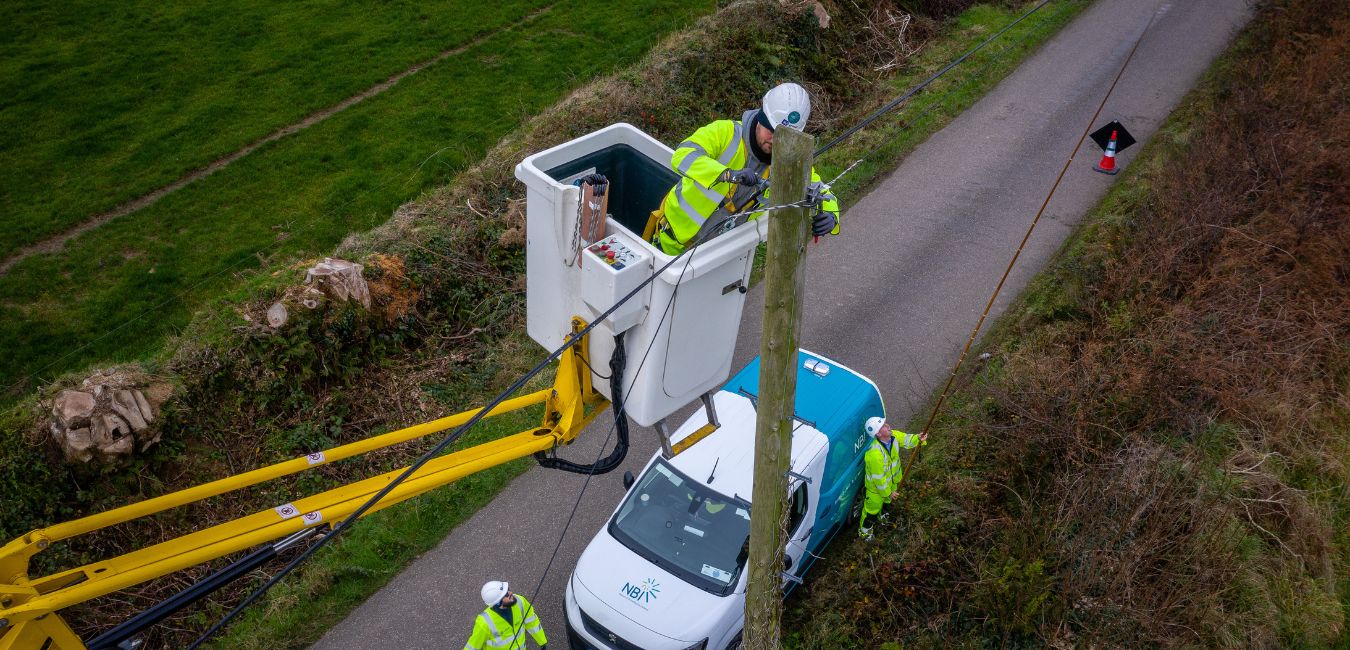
[823,223]
[740,177]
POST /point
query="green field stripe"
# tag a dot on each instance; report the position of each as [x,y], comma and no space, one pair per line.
[346,174]
[101,103]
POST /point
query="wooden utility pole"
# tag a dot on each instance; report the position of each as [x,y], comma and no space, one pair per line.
[783,282]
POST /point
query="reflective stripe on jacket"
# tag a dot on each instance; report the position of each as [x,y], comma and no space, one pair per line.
[491,631]
[698,197]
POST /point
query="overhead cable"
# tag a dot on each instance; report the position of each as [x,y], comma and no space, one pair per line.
[924,84]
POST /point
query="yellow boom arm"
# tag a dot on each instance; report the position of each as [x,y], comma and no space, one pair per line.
[28,606]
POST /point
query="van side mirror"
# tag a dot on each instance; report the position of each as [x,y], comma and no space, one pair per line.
[628,480]
[787,563]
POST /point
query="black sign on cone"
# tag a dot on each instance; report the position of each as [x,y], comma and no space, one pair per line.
[1111,138]
[1102,136]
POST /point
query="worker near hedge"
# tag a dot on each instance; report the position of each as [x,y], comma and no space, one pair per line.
[882,469]
[502,626]
[725,164]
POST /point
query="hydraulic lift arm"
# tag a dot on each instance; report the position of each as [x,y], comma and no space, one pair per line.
[28,605]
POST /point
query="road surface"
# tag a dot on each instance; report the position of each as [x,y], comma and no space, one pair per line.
[894,296]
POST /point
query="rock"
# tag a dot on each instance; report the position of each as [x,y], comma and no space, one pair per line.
[108,418]
[822,16]
[78,445]
[119,448]
[124,404]
[73,408]
[277,315]
[341,280]
[144,405]
[108,429]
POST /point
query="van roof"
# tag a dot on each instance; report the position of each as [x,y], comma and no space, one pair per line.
[827,408]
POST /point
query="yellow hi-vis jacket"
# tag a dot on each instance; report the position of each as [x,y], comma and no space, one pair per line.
[882,469]
[492,632]
[698,197]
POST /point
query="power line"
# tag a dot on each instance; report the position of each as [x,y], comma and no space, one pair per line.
[620,412]
[442,445]
[935,104]
[989,305]
[576,337]
[923,84]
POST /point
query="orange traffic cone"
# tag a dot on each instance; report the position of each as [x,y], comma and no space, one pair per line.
[1108,163]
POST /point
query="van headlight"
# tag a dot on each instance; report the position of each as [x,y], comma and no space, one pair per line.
[701,645]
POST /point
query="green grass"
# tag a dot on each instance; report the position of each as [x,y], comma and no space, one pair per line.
[103,102]
[301,195]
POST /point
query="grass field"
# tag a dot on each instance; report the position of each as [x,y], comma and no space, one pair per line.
[118,290]
[103,102]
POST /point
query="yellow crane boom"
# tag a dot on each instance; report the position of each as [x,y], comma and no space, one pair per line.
[29,605]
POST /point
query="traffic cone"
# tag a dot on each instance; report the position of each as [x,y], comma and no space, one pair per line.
[1108,163]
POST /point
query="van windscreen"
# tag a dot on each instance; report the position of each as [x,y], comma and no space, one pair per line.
[685,528]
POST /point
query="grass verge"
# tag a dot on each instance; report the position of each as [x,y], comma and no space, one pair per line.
[1154,453]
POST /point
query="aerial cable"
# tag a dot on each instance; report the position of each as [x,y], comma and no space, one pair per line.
[936,103]
[989,305]
[923,84]
[577,336]
[443,444]
[620,416]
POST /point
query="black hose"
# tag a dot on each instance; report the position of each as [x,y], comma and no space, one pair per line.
[609,463]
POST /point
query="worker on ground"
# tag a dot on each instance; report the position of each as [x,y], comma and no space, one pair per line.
[502,626]
[883,469]
[725,167]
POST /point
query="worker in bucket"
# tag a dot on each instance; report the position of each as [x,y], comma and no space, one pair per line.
[883,469]
[502,626]
[724,169]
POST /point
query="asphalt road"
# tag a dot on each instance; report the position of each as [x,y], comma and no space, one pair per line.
[894,296]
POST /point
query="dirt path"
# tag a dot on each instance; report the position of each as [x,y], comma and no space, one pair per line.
[57,242]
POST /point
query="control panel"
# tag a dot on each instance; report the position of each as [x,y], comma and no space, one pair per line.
[614,252]
[610,269]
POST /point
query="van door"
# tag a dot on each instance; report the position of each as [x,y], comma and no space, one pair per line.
[802,509]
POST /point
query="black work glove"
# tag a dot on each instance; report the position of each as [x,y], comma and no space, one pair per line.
[740,177]
[823,223]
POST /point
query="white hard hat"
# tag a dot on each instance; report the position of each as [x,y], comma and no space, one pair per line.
[873,426]
[493,592]
[787,104]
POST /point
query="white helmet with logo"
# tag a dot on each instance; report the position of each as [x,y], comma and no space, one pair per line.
[787,104]
[873,426]
[493,592]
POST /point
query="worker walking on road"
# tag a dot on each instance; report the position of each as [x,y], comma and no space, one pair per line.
[725,167]
[883,469]
[502,626]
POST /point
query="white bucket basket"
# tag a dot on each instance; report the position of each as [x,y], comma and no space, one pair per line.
[680,331]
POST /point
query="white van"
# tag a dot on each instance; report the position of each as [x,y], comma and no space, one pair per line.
[668,570]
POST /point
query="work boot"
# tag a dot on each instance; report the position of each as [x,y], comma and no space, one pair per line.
[866,534]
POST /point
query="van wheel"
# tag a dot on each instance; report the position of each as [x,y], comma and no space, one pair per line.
[855,510]
[736,642]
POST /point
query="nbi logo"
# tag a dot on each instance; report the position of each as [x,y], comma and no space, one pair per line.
[643,592]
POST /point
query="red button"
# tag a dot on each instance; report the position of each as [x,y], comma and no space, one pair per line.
[609,255]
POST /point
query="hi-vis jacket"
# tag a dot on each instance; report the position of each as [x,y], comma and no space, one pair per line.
[492,632]
[698,197]
[883,469]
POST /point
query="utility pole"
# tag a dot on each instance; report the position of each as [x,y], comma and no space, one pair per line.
[783,282]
